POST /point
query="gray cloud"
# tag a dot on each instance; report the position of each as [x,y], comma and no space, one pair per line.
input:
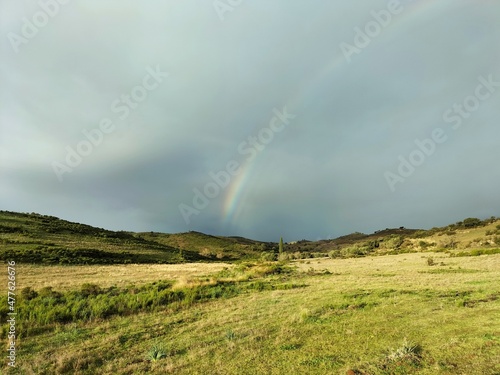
[322,176]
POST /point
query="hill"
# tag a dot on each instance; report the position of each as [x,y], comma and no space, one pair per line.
[35,238]
[470,235]
[42,239]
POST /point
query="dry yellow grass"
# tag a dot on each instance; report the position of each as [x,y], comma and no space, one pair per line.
[68,277]
[408,270]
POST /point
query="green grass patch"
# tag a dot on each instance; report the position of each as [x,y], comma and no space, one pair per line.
[475,253]
[451,270]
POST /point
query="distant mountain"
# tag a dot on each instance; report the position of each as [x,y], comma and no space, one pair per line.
[41,239]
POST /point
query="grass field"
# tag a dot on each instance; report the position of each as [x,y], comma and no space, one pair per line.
[70,277]
[415,313]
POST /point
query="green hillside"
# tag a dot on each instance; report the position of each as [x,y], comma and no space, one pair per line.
[470,235]
[35,238]
[41,239]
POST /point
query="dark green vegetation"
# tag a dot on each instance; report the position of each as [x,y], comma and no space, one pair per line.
[40,239]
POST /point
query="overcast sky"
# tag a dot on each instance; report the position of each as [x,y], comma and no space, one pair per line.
[361,115]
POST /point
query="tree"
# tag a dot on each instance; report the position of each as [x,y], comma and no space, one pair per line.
[280,249]
[472,222]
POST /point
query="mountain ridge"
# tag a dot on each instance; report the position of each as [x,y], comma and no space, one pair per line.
[42,239]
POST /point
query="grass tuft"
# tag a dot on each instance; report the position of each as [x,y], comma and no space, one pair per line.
[156,353]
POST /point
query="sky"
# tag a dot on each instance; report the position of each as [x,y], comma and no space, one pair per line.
[303,119]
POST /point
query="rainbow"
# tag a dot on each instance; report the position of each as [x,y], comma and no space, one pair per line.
[238,190]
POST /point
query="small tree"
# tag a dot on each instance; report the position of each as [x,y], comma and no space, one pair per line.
[280,248]
[472,222]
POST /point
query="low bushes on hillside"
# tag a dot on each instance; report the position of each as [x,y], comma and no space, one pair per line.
[44,254]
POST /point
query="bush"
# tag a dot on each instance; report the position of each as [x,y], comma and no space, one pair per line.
[394,242]
[335,254]
[268,257]
[420,234]
[283,257]
[48,292]
[423,244]
[28,293]
[472,222]
[449,243]
[90,290]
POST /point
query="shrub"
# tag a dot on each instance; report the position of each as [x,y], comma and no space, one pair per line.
[420,234]
[394,241]
[449,243]
[48,292]
[423,244]
[90,290]
[268,256]
[28,293]
[430,261]
[335,254]
[283,257]
[472,222]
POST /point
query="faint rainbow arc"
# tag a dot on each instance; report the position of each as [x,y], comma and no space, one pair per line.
[237,190]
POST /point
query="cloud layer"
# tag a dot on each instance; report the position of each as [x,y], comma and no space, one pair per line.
[231,70]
